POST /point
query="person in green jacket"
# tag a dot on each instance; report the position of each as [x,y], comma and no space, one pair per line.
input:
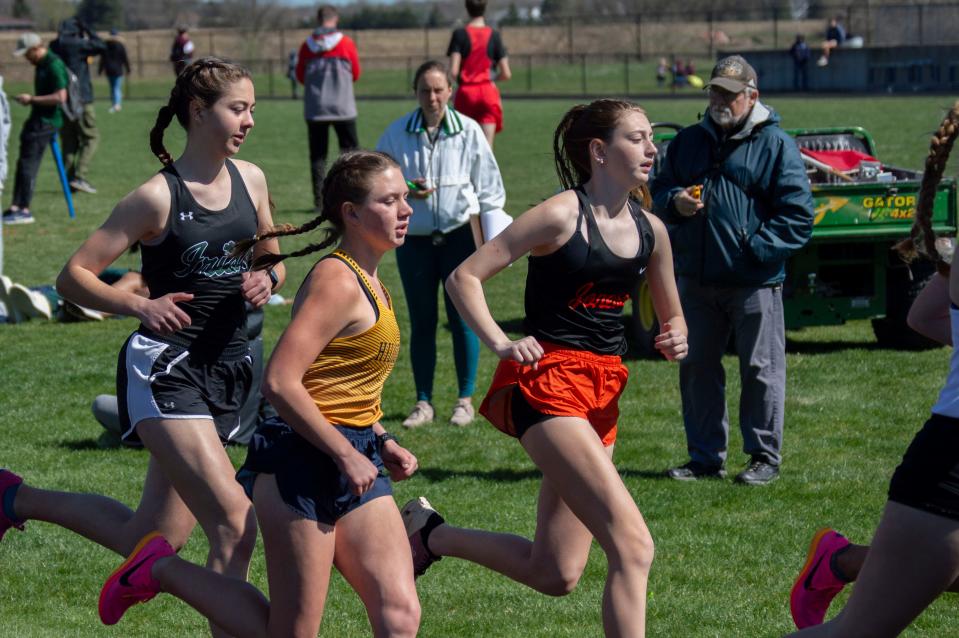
[49,92]
[733,191]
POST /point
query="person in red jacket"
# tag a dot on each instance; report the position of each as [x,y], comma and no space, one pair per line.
[327,67]
[474,50]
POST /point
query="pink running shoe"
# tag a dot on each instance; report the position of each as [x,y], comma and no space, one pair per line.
[420,519]
[133,582]
[7,480]
[816,584]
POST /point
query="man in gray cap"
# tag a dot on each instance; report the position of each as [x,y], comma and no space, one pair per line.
[50,81]
[733,192]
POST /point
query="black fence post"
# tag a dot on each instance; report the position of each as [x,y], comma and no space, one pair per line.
[569,35]
[582,59]
[409,70]
[529,73]
[139,56]
[269,73]
[712,30]
[626,71]
[919,9]
[639,37]
[426,42]
[775,11]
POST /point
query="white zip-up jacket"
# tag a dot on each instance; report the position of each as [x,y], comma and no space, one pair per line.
[460,165]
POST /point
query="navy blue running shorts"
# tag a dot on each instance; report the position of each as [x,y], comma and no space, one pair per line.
[928,477]
[158,380]
[308,479]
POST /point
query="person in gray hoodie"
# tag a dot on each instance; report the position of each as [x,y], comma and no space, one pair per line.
[327,67]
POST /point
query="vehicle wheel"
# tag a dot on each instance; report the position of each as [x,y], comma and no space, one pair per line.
[644,326]
[901,290]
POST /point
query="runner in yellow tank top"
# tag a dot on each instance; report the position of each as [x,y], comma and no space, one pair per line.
[346,379]
[316,473]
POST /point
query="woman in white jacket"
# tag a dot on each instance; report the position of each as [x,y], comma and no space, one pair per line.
[452,176]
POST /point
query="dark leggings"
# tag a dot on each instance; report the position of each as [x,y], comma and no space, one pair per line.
[423,268]
[319,137]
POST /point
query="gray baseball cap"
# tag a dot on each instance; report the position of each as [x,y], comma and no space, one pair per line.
[733,74]
[27,41]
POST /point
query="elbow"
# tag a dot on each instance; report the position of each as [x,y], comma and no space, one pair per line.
[271,387]
[453,283]
[505,75]
[63,282]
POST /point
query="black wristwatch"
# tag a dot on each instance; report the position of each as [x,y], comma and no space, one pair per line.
[274,279]
[383,438]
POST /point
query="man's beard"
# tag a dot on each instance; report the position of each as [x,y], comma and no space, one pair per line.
[723,116]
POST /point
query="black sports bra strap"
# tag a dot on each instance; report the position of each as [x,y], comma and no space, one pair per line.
[360,278]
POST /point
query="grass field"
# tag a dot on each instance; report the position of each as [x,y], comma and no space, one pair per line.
[726,555]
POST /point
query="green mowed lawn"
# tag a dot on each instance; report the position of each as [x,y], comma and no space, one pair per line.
[725,555]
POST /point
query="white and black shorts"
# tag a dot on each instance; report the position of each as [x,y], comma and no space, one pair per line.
[158,380]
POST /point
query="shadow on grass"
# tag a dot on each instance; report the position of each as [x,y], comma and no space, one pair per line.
[438,475]
[827,347]
[106,441]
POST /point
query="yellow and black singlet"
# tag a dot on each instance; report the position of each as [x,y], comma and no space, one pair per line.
[346,379]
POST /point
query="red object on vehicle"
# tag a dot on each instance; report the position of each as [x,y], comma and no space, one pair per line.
[840,160]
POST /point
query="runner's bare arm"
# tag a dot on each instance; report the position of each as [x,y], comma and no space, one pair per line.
[257,286]
[540,230]
[140,216]
[329,304]
[671,342]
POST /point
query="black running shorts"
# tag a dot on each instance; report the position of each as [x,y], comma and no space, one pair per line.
[308,479]
[157,380]
[928,477]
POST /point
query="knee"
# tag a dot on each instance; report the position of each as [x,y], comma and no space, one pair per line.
[402,618]
[558,584]
[636,550]
[234,536]
[557,580]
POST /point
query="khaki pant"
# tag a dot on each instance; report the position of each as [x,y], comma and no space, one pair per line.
[79,140]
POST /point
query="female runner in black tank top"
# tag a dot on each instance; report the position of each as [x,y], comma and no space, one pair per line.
[557,388]
[190,478]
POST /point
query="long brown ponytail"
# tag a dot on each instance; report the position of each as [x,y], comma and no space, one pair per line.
[205,80]
[349,179]
[922,238]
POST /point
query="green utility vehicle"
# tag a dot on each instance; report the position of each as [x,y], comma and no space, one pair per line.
[847,270]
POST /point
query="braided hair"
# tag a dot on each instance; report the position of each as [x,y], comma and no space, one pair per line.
[206,80]
[582,124]
[922,238]
[348,180]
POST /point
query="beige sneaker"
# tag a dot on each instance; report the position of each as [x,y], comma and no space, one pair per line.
[30,303]
[463,413]
[421,414]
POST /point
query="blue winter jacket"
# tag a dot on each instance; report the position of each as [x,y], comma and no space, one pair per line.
[758,204]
